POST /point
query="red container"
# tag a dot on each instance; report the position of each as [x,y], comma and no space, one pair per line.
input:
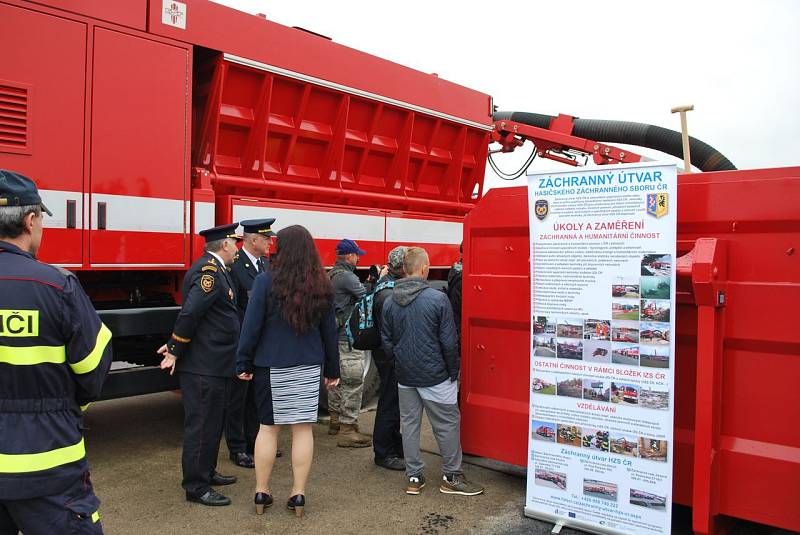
[290,136]
[737,396]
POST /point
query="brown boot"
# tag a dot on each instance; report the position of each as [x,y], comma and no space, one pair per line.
[355,425]
[333,425]
[350,438]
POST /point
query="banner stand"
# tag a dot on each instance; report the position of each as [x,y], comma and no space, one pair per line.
[602,348]
[560,522]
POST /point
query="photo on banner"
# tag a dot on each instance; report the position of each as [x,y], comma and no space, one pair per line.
[602,347]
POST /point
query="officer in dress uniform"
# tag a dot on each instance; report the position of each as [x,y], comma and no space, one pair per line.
[241,420]
[203,351]
[54,356]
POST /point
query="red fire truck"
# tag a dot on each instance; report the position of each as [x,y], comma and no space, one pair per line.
[145,122]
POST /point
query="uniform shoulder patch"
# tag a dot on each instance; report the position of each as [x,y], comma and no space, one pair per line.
[208,267]
[207,283]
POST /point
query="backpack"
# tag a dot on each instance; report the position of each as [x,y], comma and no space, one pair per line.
[360,328]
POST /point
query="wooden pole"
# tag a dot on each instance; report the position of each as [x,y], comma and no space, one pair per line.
[687,159]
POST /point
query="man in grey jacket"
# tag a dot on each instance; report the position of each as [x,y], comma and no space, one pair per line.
[417,329]
[344,401]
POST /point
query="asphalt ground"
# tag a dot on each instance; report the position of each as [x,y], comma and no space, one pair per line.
[135,447]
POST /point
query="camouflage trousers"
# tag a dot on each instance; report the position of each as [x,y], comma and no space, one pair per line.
[346,398]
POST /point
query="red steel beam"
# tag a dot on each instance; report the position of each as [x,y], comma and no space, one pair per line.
[368,198]
[708,274]
[506,133]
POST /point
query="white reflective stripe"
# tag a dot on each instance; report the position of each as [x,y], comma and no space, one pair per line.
[203,216]
[138,265]
[399,230]
[131,213]
[322,225]
[56,202]
[139,214]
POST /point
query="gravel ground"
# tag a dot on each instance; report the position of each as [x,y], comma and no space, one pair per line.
[135,447]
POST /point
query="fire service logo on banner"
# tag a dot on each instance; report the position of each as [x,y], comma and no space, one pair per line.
[657,204]
[541,209]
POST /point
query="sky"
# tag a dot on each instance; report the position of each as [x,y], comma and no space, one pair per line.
[737,62]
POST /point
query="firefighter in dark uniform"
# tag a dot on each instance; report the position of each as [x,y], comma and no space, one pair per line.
[54,356]
[203,351]
[241,420]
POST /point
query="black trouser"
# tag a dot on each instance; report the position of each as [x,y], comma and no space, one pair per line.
[241,418]
[386,438]
[74,510]
[204,399]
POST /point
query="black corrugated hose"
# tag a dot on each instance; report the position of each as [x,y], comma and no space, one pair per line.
[704,156]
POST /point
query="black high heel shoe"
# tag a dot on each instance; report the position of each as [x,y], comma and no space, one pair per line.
[297,504]
[262,500]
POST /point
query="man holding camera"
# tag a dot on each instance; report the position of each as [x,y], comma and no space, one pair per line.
[344,401]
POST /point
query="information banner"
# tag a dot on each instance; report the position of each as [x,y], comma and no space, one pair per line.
[602,347]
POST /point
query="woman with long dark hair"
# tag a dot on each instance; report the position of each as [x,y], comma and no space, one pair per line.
[289,334]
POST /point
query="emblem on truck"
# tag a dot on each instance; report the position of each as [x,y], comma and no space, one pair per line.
[173,14]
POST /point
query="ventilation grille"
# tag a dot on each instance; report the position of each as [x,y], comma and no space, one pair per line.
[14,118]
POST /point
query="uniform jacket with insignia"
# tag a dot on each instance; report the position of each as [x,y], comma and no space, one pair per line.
[54,357]
[207,328]
[243,273]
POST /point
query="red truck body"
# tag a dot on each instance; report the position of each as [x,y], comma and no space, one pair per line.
[154,132]
[145,122]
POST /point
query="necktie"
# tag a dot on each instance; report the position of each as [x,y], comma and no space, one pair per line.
[260,265]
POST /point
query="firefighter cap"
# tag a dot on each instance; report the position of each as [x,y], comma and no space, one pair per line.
[258,226]
[19,190]
[220,232]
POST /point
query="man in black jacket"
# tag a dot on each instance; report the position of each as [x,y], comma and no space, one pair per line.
[417,329]
[54,356]
[203,350]
[454,289]
[241,420]
[387,442]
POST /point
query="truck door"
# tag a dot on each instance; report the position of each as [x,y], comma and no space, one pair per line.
[42,95]
[139,160]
